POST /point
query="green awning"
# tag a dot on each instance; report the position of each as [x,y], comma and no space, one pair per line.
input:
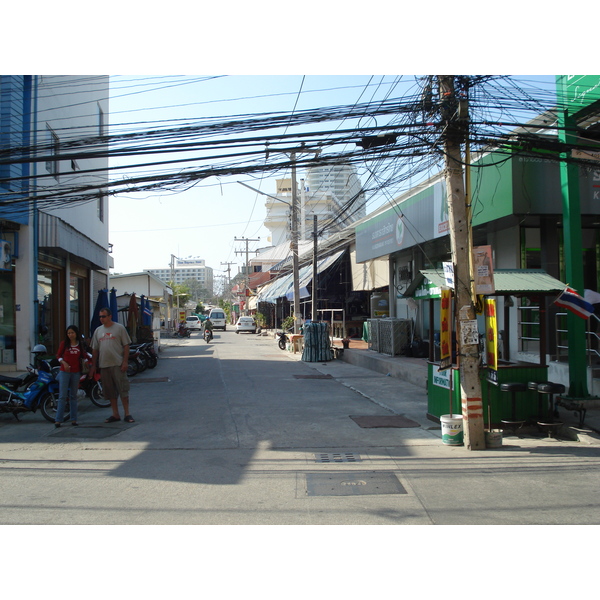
[508,282]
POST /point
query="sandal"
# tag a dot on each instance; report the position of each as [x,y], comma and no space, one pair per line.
[112,419]
[129,419]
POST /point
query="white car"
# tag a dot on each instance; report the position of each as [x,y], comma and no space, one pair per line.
[193,322]
[245,324]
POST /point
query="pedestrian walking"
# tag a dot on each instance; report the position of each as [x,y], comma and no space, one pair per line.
[71,352]
[110,353]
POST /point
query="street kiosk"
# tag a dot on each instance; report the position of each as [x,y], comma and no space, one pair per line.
[443,385]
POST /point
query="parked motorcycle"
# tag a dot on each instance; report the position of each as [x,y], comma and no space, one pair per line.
[183,332]
[91,387]
[141,357]
[23,382]
[283,339]
[42,394]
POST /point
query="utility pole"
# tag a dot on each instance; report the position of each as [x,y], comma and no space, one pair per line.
[228,270]
[455,130]
[247,241]
[315,283]
[294,247]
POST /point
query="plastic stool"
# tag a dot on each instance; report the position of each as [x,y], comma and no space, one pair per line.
[513,388]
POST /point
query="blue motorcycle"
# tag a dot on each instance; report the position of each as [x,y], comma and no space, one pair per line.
[42,394]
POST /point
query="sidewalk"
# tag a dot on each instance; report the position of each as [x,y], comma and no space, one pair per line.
[414,371]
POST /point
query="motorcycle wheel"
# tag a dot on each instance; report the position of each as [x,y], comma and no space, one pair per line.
[152,361]
[132,368]
[281,343]
[97,396]
[48,406]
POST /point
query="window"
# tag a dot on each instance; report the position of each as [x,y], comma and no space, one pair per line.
[52,164]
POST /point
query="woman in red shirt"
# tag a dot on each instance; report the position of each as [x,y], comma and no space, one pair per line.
[70,353]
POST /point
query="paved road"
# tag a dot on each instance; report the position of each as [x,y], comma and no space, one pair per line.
[239,432]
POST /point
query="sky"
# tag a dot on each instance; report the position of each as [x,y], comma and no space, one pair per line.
[146,229]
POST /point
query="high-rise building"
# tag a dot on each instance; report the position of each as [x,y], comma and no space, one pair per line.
[185,269]
[332,192]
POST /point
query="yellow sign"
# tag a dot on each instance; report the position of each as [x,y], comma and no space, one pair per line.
[491,334]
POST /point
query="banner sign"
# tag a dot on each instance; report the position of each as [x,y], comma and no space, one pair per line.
[491,334]
[445,321]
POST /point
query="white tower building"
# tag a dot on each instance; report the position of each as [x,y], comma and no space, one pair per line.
[326,192]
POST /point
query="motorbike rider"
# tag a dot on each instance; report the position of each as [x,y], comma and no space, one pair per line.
[208,326]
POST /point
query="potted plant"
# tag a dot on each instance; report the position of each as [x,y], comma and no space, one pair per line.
[346,343]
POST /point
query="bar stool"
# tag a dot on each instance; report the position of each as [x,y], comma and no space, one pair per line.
[533,386]
[550,424]
[513,387]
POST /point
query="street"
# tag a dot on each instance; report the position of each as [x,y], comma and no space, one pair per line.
[240,432]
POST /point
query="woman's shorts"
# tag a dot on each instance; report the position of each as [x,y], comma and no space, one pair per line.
[114,382]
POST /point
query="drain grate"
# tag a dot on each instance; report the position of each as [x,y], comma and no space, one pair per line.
[150,380]
[313,376]
[337,457]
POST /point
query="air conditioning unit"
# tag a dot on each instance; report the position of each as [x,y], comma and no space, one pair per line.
[5,256]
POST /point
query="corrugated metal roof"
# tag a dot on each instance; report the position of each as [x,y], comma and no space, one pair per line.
[506,282]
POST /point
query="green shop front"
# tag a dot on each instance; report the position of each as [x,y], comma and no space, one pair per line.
[526,287]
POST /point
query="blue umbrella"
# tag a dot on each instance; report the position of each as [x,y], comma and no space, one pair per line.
[112,303]
[101,302]
[146,311]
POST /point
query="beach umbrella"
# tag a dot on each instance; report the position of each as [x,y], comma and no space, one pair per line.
[112,303]
[133,318]
[101,302]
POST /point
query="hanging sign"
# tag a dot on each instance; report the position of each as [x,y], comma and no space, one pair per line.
[483,271]
[491,334]
[445,327]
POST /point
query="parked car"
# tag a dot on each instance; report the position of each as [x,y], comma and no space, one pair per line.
[218,319]
[193,322]
[245,324]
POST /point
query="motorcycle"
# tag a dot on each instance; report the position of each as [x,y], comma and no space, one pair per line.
[42,394]
[207,335]
[183,332]
[23,382]
[141,357]
[283,339]
[91,387]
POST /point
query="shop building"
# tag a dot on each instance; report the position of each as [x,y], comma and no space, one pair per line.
[54,236]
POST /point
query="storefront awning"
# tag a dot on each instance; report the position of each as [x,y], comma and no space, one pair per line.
[508,282]
[306,273]
[284,286]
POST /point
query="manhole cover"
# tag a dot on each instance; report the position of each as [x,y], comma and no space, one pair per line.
[337,457]
[313,376]
[94,432]
[353,484]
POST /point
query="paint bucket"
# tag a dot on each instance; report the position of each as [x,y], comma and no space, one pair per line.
[452,430]
[493,438]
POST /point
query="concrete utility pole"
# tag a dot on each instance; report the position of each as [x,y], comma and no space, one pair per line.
[315,283]
[455,131]
[294,247]
[246,279]
[228,269]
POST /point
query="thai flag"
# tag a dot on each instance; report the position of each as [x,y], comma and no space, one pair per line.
[572,301]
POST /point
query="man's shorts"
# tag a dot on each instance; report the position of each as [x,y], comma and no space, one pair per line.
[114,382]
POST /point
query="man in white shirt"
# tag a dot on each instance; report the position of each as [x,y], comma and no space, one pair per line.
[110,352]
